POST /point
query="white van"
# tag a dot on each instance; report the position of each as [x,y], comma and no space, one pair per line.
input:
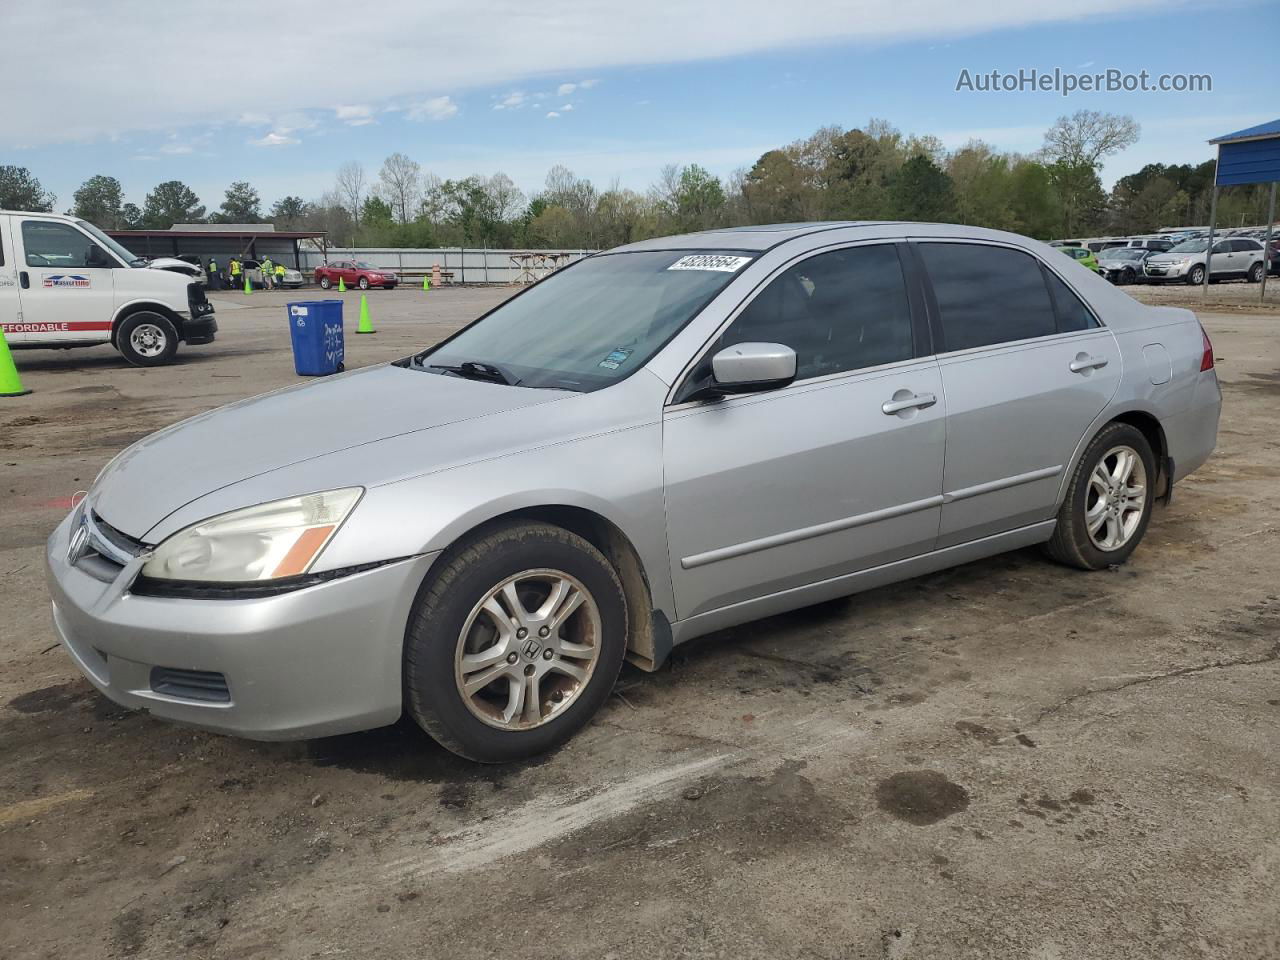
[64,283]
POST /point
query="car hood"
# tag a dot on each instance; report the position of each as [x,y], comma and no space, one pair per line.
[193,458]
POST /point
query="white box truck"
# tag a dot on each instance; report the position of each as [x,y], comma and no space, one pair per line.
[64,283]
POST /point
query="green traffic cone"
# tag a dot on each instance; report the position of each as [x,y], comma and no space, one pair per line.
[248,287]
[342,287]
[426,284]
[366,326]
[10,382]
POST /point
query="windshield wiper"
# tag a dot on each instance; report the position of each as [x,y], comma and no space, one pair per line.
[475,370]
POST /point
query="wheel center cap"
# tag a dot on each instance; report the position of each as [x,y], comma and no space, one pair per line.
[531,649]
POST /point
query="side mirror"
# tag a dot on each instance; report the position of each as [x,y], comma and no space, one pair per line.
[748,368]
[94,257]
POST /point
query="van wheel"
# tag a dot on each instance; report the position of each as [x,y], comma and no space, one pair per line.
[1108,504]
[514,643]
[147,339]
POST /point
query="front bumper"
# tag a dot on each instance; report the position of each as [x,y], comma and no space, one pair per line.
[197,330]
[315,662]
[1160,273]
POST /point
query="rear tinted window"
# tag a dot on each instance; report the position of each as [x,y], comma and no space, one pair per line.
[1070,309]
[987,295]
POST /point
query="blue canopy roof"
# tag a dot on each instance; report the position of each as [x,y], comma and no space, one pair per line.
[1271,129]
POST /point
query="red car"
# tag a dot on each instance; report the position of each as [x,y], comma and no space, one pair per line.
[355,273]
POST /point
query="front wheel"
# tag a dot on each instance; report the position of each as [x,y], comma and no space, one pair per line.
[1108,503]
[324,283]
[1195,276]
[364,283]
[514,643]
[147,339]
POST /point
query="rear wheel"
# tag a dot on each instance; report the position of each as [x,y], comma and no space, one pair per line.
[514,643]
[147,339]
[1255,273]
[1108,503]
[1195,276]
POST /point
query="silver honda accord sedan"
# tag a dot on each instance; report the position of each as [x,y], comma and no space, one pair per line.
[663,440]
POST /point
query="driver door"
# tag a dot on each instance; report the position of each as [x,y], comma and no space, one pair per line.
[835,473]
[66,295]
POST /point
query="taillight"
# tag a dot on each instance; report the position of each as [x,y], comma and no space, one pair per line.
[1206,358]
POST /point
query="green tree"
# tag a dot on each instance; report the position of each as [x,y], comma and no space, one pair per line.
[981,179]
[241,204]
[169,203]
[287,213]
[1033,205]
[1080,193]
[921,190]
[19,190]
[375,212]
[131,217]
[100,200]
[699,198]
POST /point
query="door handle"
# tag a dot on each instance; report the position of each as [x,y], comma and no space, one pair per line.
[24,279]
[1082,363]
[913,402]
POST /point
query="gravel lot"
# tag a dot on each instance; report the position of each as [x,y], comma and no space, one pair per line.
[1009,759]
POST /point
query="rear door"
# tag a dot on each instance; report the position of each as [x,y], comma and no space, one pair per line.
[10,303]
[1026,367]
[841,470]
[65,297]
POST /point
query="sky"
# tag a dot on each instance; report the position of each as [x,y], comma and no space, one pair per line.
[281,96]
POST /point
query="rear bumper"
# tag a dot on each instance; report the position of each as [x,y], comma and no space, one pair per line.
[1193,434]
[314,662]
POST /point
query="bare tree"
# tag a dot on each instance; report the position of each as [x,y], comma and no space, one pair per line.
[432,205]
[398,184]
[505,197]
[351,187]
[1087,136]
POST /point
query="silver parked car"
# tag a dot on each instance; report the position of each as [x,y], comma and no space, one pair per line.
[1233,258]
[653,443]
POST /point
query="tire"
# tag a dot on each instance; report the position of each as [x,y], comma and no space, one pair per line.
[324,283]
[1195,276]
[1072,543]
[450,620]
[1128,276]
[364,283]
[147,339]
[1255,273]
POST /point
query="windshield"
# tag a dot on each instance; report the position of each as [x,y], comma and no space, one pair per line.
[593,323]
[1190,246]
[107,243]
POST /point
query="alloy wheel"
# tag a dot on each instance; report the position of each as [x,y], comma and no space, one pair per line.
[1116,499]
[527,649]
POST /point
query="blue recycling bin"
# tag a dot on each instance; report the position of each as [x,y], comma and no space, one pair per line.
[315,330]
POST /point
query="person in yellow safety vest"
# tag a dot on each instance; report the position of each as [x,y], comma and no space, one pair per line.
[214,278]
[280,275]
[236,281]
[267,275]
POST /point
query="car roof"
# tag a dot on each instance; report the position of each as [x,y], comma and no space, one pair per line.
[760,237]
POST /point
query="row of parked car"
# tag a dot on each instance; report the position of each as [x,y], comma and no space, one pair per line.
[351,273]
[1164,259]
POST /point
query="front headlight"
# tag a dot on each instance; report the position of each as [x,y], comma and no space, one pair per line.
[266,542]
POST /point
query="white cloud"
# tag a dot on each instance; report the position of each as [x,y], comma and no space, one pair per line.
[275,139]
[566,108]
[512,101]
[177,149]
[252,119]
[551,115]
[565,89]
[357,115]
[437,108]
[463,52]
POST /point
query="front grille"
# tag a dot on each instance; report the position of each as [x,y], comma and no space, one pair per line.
[106,550]
[197,301]
[201,685]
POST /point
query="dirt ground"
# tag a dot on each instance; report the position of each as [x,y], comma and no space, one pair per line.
[1009,759]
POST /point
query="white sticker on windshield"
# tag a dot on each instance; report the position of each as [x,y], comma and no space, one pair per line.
[710,261]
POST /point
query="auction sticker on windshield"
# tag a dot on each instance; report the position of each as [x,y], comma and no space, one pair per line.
[710,261]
